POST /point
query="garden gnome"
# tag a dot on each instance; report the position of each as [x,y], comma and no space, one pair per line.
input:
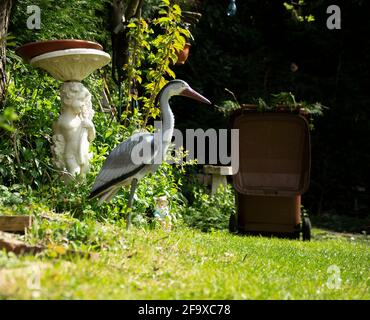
[74,130]
[162,213]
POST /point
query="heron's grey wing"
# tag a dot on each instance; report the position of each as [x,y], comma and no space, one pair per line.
[124,161]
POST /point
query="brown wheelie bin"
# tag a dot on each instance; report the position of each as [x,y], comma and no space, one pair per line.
[274,171]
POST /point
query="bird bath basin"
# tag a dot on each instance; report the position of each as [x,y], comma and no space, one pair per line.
[69,61]
[71,64]
[33,49]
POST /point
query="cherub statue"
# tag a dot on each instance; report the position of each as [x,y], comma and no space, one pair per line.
[74,129]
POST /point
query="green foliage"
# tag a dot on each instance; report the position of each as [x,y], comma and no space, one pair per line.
[151,55]
[209,212]
[85,20]
[7,118]
[68,232]
[9,196]
[227,107]
[286,100]
[280,101]
[166,181]
[24,150]
[295,8]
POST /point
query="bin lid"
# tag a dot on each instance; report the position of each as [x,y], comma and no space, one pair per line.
[274,153]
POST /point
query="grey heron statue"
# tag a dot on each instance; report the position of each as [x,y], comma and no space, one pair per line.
[128,162]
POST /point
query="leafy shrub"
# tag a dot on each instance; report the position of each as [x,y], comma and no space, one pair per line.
[9,196]
[62,20]
[210,212]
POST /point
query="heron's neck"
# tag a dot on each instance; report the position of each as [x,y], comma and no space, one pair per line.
[168,121]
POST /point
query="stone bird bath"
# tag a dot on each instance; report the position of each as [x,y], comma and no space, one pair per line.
[69,61]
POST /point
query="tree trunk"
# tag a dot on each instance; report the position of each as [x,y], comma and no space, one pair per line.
[5,8]
[120,41]
[120,18]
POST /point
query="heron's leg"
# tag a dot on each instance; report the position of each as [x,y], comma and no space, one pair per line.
[130,201]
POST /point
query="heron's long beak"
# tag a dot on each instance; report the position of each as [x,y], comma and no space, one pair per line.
[190,93]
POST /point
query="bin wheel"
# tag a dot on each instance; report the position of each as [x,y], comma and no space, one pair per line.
[233,223]
[306,229]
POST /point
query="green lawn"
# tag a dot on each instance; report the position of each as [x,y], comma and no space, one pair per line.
[188,264]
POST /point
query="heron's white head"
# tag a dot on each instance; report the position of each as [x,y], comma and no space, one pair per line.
[181,88]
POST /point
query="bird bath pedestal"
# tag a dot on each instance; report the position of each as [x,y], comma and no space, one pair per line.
[69,61]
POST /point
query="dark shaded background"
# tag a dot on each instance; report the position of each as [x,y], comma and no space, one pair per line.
[251,55]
